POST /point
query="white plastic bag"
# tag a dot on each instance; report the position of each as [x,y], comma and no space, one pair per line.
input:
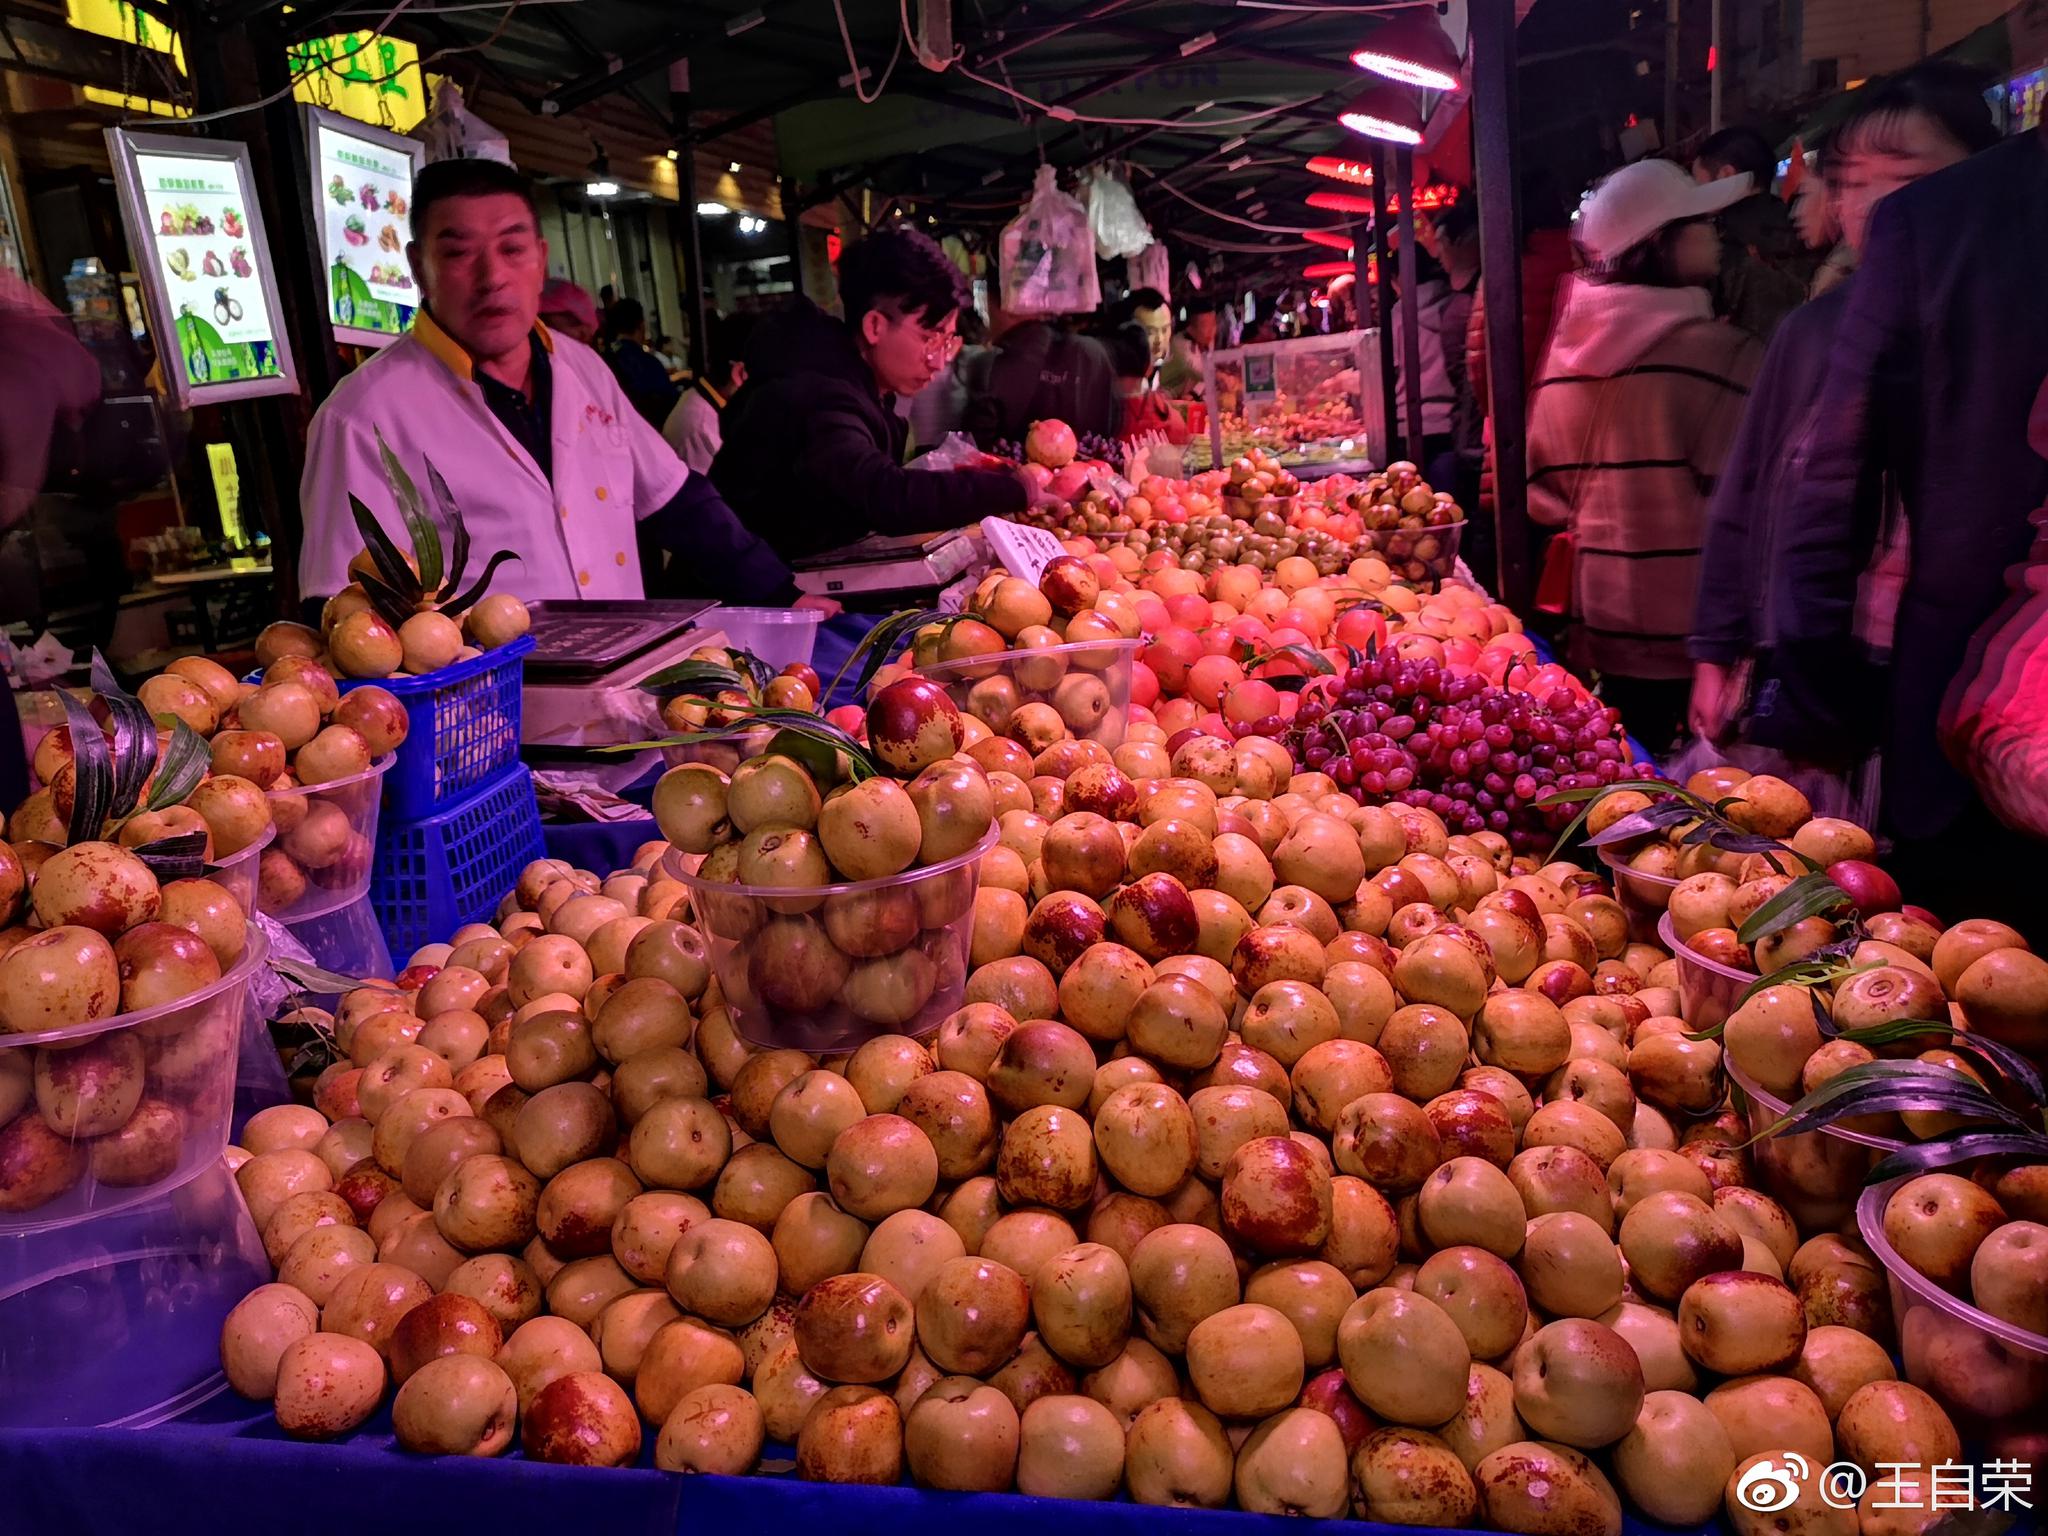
[1049,255]
[1150,268]
[453,132]
[1120,230]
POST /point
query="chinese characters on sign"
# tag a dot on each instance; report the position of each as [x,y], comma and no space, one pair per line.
[1775,1483]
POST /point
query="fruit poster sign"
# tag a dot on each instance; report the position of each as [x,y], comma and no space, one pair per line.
[197,241]
[362,206]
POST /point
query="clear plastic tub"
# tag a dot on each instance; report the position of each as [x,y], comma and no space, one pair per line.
[116,1323]
[236,874]
[1708,991]
[1986,1372]
[326,842]
[1644,897]
[1087,684]
[781,637]
[1422,557]
[788,984]
[126,1142]
[1815,1175]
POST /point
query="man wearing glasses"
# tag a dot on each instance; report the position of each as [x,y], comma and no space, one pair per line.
[813,450]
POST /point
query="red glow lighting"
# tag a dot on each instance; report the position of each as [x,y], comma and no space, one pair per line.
[1713,58]
[1340,202]
[1341,170]
[1324,271]
[833,246]
[1330,238]
[1411,48]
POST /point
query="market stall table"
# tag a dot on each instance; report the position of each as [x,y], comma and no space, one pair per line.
[226,1469]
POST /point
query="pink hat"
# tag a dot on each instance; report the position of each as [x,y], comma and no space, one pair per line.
[559,296]
[1638,200]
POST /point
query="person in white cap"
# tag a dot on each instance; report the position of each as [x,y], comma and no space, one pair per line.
[1638,398]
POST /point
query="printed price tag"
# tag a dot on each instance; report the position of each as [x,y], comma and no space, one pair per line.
[1024,551]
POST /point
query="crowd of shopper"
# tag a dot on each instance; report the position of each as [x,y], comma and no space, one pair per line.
[1828,556]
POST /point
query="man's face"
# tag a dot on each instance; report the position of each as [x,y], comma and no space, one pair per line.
[1202,329]
[904,353]
[1910,147]
[480,263]
[1158,324]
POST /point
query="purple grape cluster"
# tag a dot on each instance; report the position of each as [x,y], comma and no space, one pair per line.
[1480,756]
[1089,445]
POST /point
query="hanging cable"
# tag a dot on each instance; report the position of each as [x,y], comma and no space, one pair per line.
[1264,229]
[854,64]
[326,65]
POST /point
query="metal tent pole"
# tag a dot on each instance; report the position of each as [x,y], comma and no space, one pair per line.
[1500,272]
[1383,313]
[1411,306]
[693,231]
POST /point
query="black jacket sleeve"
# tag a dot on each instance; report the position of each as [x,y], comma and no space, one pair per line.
[1822,698]
[696,547]
[840,453]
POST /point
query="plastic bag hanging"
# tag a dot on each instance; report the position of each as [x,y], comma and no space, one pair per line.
[1120,230]
[452,132]
[1150,268]
[1048,254]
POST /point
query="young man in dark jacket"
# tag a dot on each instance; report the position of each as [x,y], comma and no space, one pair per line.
[813,450]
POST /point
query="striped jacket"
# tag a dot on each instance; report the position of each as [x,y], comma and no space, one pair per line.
[1630,420]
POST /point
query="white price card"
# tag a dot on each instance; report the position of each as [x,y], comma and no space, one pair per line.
[1024,551]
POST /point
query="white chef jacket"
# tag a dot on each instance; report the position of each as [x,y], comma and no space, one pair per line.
[574,538]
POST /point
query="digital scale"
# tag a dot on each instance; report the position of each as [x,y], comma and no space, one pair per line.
[907,564]
[589,658]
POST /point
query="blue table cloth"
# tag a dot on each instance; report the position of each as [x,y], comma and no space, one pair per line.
[225,1469]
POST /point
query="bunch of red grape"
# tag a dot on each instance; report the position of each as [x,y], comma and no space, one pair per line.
[1479,755]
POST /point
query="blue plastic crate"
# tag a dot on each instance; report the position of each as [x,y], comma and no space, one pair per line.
[435,873]
[465,730]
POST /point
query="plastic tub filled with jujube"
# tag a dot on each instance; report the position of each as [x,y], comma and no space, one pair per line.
[1047,694]
[117,1064]
[1966,1251]
[326,840]
[835,881]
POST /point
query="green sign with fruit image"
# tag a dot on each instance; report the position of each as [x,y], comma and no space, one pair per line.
[209,360]
[354,304]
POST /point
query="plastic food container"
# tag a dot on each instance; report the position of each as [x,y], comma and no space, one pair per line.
[1421,556]
[463,727]
[147,1097]
[825,968]
[780,637]
[1815,1175]
[1088,684]
[116,1322]
[326,842]
[236,874]
[1708,991]
[1643,896]
[1985,1371]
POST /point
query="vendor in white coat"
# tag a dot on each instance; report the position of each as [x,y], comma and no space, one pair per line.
[539,447]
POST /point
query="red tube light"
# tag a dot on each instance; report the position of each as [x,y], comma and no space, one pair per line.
[1339,169]
[1335,241]
[1323,271]
[1340,202]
